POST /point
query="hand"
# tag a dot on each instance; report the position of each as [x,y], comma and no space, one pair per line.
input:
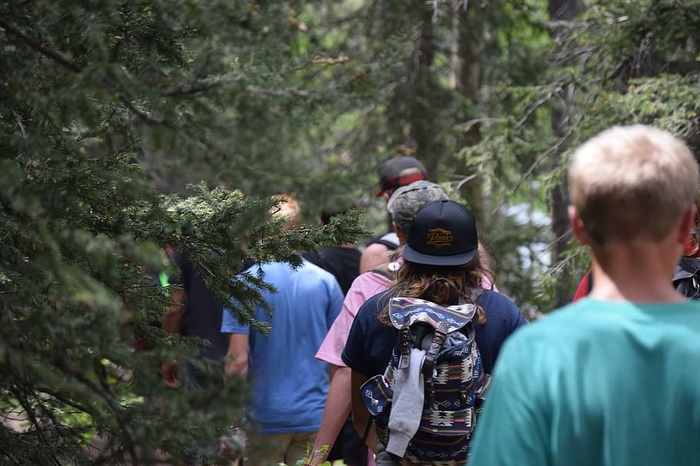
[168,372]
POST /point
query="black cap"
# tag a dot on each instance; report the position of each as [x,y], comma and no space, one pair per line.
[443,233]
[400,171]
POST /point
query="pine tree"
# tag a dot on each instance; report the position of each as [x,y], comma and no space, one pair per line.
[100,103]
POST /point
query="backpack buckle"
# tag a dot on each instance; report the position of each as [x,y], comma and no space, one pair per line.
[405,346]
[435,347]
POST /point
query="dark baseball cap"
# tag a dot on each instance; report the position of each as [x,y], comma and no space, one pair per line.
[443,233]
[398,172]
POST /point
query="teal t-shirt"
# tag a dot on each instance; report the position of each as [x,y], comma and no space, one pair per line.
[597,383]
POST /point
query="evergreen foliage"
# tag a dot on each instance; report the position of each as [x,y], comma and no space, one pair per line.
[127,127]
[100,101]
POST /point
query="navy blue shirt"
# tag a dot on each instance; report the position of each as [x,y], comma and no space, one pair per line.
[370,343]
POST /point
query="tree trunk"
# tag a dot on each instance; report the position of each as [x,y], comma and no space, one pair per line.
[467,34]
[561,10]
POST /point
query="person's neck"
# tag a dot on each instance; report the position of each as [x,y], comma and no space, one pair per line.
[639,272]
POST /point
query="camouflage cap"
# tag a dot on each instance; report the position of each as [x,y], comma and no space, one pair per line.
[406,201]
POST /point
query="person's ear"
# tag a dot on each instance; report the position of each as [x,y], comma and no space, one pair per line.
[577,226]
[686,224]
[399,232]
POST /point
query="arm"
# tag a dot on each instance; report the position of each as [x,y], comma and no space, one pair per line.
[360,415]
[173,315]
[373,255]
[237,355]
[171,324]
[335,414]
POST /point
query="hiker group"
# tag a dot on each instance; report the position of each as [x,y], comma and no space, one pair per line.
[407,354]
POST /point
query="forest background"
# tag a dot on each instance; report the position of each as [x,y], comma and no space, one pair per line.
[130,126]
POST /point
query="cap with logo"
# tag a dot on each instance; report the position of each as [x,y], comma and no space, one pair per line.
[398,172]
[406,201]
[443,233]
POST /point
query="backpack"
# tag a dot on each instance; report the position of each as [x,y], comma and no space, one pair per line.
[686,277]
[450,380]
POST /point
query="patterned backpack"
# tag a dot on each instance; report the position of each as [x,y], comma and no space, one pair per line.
[425,403]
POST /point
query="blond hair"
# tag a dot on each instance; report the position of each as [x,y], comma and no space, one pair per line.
[632,182]
[287,209]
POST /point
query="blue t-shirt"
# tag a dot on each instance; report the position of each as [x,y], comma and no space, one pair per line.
[290,384]
[370,343]
[597,383]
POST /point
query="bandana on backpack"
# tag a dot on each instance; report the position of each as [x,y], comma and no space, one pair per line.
[424,405]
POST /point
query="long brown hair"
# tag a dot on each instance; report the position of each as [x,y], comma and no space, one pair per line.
[436,283]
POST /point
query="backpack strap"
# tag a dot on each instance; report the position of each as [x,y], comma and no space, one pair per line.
[390,240]
[387,269]
[405,346]
[475,293]
[438,340]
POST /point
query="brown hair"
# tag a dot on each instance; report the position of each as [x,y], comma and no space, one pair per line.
[436,283]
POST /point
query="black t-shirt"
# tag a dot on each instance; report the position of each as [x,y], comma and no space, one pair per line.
[342,262]
[203,312]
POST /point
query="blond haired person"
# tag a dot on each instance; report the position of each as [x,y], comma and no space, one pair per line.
[289,385]
[613,378]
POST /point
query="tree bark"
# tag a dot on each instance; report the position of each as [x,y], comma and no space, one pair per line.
[465,51]
[561,10]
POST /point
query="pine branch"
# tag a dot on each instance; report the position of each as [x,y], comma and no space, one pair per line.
[560,142]
[36,44]
[58,57]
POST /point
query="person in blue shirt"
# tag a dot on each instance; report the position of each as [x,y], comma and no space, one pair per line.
[442,243]
[611,380]
[290,385]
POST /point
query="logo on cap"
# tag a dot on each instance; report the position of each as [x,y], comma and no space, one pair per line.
[439,238]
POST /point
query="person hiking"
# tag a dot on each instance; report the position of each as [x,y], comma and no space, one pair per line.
[395,173]
[402,206]
[611,379]
[686,275]
[289,385]
[343,261]
[453,258]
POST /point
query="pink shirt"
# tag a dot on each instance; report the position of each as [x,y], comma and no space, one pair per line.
[364,287]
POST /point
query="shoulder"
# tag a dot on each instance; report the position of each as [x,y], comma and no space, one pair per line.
[370,281]
[496,298]
[312,271]
[375,249]
[389,241]
[497,304]
[373,306]
[567,324]
[309,268]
